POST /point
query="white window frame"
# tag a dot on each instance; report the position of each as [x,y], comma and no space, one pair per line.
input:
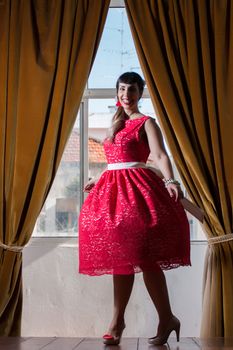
[117,3]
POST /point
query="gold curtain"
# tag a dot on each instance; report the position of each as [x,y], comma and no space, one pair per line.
[186,52]
[46,52]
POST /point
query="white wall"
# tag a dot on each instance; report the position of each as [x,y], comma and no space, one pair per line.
[60,302]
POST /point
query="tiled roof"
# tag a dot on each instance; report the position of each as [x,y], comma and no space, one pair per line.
[72,150]
[96,151]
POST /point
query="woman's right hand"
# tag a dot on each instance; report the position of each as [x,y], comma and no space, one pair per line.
[89,185]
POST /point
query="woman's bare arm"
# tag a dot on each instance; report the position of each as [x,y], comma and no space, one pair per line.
[159,155]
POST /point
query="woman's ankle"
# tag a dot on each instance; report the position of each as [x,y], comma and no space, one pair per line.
[165,319]
[118,322]
[118,317]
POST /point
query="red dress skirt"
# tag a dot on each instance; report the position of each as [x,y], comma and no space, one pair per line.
[128,222]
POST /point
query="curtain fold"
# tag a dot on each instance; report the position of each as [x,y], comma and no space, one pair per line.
[186,52]
[46,52]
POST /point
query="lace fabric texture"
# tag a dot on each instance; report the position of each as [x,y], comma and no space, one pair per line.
[129,223]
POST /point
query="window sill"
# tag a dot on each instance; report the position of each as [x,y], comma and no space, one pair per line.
[70,242]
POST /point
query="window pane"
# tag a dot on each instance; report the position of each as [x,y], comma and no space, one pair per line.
[116,53]
[99,121]
[58,216]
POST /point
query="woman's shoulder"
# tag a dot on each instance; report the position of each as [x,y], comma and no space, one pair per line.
[147,121]
[150,120]
[147,117]
[151,123]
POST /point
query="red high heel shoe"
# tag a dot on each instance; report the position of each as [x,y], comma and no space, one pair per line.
[109,339]
[173,325]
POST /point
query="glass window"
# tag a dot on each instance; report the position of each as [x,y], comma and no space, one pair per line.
[58,216]
[99,121]
[116,55]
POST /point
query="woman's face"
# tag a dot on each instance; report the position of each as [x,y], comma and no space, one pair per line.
[128,95]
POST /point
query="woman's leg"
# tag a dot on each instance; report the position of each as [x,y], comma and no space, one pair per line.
[157,288]
[122,288]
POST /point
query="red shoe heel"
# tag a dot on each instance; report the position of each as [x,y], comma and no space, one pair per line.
[109,339]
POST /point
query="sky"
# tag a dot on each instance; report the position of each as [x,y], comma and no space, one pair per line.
[116,53]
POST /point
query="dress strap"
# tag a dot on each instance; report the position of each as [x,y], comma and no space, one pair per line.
[139,125]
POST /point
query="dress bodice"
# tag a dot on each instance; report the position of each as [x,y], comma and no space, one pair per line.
[128,146]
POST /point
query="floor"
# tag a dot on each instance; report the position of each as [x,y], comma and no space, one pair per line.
[14,343]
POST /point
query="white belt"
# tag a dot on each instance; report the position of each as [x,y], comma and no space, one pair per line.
[126,165]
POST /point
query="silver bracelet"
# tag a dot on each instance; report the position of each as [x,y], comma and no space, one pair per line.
[170,181]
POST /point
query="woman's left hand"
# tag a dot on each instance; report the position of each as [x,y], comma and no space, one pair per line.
[175,191]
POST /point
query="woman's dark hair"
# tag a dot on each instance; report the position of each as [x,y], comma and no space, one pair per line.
[120,116]
[131,78]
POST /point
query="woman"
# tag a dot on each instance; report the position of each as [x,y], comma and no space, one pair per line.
[132,220]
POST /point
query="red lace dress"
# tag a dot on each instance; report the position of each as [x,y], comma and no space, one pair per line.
[129,223]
